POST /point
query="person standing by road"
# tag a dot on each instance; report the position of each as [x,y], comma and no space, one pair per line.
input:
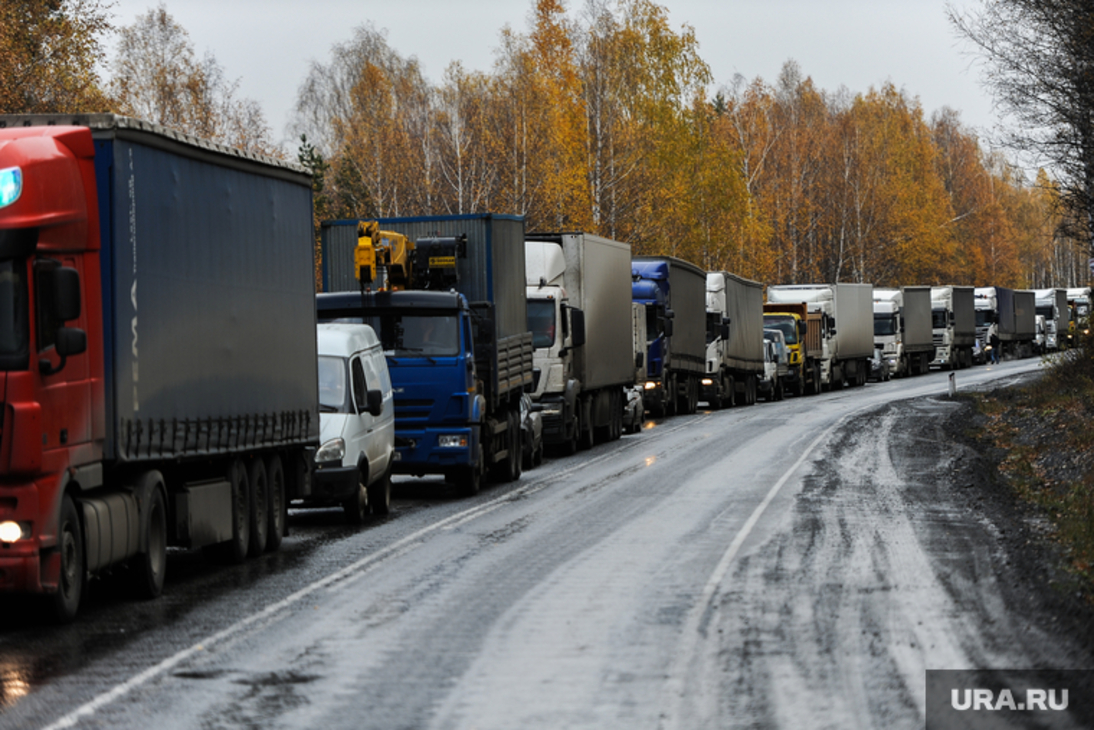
[994,348]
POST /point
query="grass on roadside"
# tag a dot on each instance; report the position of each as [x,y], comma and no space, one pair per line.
[1045,433]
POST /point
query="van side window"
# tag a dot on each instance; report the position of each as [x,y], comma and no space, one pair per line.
[360,386]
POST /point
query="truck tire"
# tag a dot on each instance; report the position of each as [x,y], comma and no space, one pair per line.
[278,509]
[70,583]
[234,551]
[260,507]
[509,470]
[149,567]
[586,438]
[379,494]
[468,479]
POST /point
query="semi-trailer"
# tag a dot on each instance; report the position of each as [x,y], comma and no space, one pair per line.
[456,334]
[674,294]
[953,324]
[581,318]
[847,327]
[158,352]
[902,329]
[1008,314]
[735,340]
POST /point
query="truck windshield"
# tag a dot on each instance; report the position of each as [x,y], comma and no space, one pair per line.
[714,326]
[412,333]
[1046,312]
[14,317]
[884,325]
[541,321]
[332,384]
[985,317]
[786,325]
[654,328]
[938,319]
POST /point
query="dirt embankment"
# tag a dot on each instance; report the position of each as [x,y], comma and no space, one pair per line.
[1033,480]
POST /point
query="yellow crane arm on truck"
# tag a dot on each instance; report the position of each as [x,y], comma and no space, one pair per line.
[383,256]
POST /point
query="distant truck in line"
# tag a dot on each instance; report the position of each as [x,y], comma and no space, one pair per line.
[673,292]
[802,334]
[735,340]
[847,328]
[159,351]
[902,329]
[1052,305]
[1009,315]
[953,316]
[581,319]
[1078,301]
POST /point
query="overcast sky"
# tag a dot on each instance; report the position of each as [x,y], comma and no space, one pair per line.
[268,44]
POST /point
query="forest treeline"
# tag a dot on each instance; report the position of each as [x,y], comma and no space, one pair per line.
[598,119]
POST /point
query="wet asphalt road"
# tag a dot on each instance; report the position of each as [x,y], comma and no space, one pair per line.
[752,567]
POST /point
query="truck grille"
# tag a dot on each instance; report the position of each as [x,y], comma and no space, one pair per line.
[413,408]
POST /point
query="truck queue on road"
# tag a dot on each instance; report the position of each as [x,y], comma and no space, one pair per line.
[171,378]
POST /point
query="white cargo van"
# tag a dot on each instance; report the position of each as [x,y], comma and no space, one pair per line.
[356,423]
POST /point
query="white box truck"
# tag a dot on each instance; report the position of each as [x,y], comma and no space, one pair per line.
[580,314]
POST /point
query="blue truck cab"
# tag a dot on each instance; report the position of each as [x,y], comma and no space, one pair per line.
[673,292]
[427,339]
[649,288]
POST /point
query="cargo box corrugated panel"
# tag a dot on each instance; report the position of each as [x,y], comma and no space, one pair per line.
[209,300]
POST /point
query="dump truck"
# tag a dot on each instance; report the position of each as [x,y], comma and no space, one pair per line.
[735,340]
[846,327]
[456,335]
[674,294]
[902,329]
[581,319]
[953,326]
[802,334]
[158,352]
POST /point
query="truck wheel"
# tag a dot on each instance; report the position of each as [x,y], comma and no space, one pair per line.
[260,508]
[379,494]
[586,439]
[70,584]
[468,479]
[275,489]
[150,566]
[234,551]
[509,470]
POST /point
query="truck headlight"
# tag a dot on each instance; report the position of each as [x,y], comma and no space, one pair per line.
[452,441]
[650,384]
[707,381]
[333,450]
[11,531]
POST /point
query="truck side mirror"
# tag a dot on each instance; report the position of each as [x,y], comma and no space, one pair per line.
[66,293]
[668,328]
[70,341]
[639,359]
[577,327]
[375,401]
[803,328]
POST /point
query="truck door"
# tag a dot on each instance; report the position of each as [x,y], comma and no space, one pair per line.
[65,393]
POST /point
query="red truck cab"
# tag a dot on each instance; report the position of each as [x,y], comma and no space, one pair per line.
[51,360]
